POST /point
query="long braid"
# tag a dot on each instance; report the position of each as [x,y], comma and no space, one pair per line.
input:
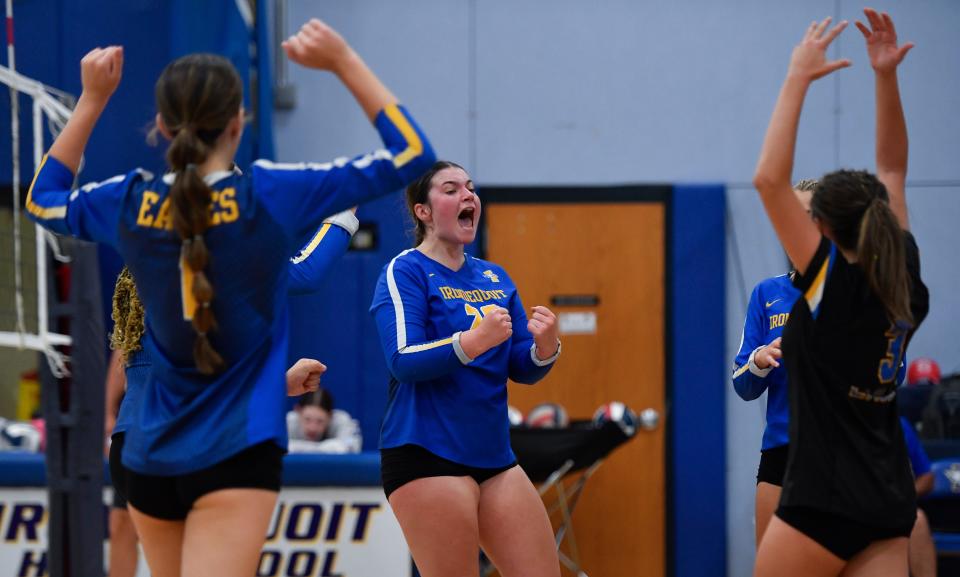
[197,96]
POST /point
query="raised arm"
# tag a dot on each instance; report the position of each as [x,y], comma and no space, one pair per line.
[892,145]
[319,46]
[300,195]
[50,200]
[796,231]
[100,72]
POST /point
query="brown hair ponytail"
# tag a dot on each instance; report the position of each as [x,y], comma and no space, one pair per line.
[854,206]
[197,96]
[882,257]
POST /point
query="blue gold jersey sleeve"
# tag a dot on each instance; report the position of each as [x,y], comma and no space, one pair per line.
[91,212]
[525,368]
[748,380]
[315,259]
[300,195]
[401,312]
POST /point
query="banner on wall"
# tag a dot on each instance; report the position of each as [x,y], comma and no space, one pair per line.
[322,532]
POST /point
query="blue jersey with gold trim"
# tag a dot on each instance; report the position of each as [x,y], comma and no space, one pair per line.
[189,421]
[307,268]
[767,313]
[453,406]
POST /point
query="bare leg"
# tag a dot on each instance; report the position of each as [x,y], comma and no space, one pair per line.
[123,544]
[768,497]
[515,531]
[887,558]
[162,543]
[438,516]
[923,553]
[225,531]
[786,552]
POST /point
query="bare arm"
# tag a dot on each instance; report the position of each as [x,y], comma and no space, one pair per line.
[892,144]
[924,483]
[115,386]
[796,231]
[319,46]
[100,72]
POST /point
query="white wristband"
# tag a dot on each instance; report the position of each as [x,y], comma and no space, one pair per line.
[458,349]
[547,361]
[753,365]
[345,220]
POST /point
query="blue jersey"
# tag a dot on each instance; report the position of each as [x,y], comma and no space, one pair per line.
[919,461]
[189,421]
[136,369]
[306,269]
[767,313]
[440,399]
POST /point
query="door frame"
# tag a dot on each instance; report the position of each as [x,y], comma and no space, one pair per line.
[694,319]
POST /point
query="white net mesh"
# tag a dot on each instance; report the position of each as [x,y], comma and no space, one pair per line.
[23,246]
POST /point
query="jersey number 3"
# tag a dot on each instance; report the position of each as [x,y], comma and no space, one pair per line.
[890,364]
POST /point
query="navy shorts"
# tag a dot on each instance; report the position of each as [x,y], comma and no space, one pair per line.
[118,473]
[773,465]
[841,536]
[400,465]
[171,498]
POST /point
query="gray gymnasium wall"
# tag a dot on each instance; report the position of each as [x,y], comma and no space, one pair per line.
[563,92]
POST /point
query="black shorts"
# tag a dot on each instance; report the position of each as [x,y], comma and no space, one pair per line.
[118,473]
[841,536]
[773,465]
[171,498]
[400,465]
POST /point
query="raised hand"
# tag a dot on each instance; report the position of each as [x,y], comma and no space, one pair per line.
[542,324]
[100,72]
[809,59]
[881,39]
[304,377]
[317,45]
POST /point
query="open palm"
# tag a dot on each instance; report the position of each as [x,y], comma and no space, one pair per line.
[809,59]
[881,39]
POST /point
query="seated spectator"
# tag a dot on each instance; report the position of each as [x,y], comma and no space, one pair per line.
[314,426]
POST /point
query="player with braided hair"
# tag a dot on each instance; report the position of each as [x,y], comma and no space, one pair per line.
[208,246]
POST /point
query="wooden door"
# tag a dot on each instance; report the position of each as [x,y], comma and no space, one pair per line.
[615,253]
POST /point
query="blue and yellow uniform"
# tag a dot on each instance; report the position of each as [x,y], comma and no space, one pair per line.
[189,421]
[767,314]
[307,268]
[440,399]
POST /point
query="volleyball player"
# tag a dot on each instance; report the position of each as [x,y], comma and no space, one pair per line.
[453,329]
[209,249]
[848,501]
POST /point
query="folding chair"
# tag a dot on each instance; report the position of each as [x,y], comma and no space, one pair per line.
[549,456]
